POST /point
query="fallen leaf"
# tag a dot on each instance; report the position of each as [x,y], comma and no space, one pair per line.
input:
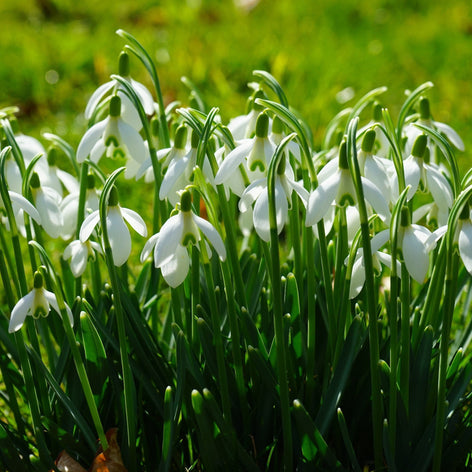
[66,463]
[109,460]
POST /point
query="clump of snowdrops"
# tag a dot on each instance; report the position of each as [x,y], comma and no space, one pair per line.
[280,307]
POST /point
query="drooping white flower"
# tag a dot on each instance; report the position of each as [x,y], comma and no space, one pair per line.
[412,132]
[415,243]
[36,303]
[47,202]
[169,245]
[118,232]
[128,111]
[115,138]
[176,152]
[339,188]
[79,253]
[253,154]
[257,193]
[56,178]
[429,176]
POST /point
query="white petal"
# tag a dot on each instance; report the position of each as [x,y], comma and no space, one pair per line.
[357,278]
[78,262]
[451,134]
[119,236]
[20,311]
[412,173]
[439,187]
[175,171]
[144,95]
[49,211]
[260,216]
[71,249]
[135,221]
[232,161]
[321,199]
[169,238]
[96,97]
[212,235]
[375,197]
[133,141]
[465,245]
[20,201]
[302,192]
[129,113]
[175,271]
[377,174]
[51,298]
[68,180]
[251,194]
[415,254]
[88,225]
[89,140]
[148,247]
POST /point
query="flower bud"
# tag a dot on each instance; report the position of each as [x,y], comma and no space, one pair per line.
[123,64]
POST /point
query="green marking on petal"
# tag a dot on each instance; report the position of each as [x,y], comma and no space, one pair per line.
[112,141]
[257,164]
[117,153]
[189,238]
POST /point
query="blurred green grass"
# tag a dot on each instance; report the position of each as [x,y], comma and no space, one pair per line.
[54,53]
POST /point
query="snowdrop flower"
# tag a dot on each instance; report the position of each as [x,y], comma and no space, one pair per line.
[463,237]
[167,155]
[375,168]
[415,243]
[118,233]
[56,178]
[47,202]
[412,132]
[417,172]
[243,126]
[339,188]
[70,207]
[277,135]
[128,111]
[258,192]
[254,154]
[169,245]
[20,206]
[79,253]
[36,303]
[114,137]
[378,258]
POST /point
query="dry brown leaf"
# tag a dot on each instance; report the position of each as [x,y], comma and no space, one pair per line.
[66,463]
[109,460]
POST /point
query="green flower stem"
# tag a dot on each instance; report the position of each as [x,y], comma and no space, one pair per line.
[195,296]
[218,340]
[8,262]
[277,307]
[405,337]
[377,419]
[394,351]
[449,299]
[176,307]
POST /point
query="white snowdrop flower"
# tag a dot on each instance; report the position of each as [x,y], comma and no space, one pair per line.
[36,303]
[79,254]
[412,132]
[339,188]
[176,152]
[415,243]
[244,126]
[378,258]
[418,172]
[257,194]
[128,111]
[118,232]
[20,206]
[375,168]
[70,207]
[115,138]
[254,154]
[56,178]
[180,230]
[47,202]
